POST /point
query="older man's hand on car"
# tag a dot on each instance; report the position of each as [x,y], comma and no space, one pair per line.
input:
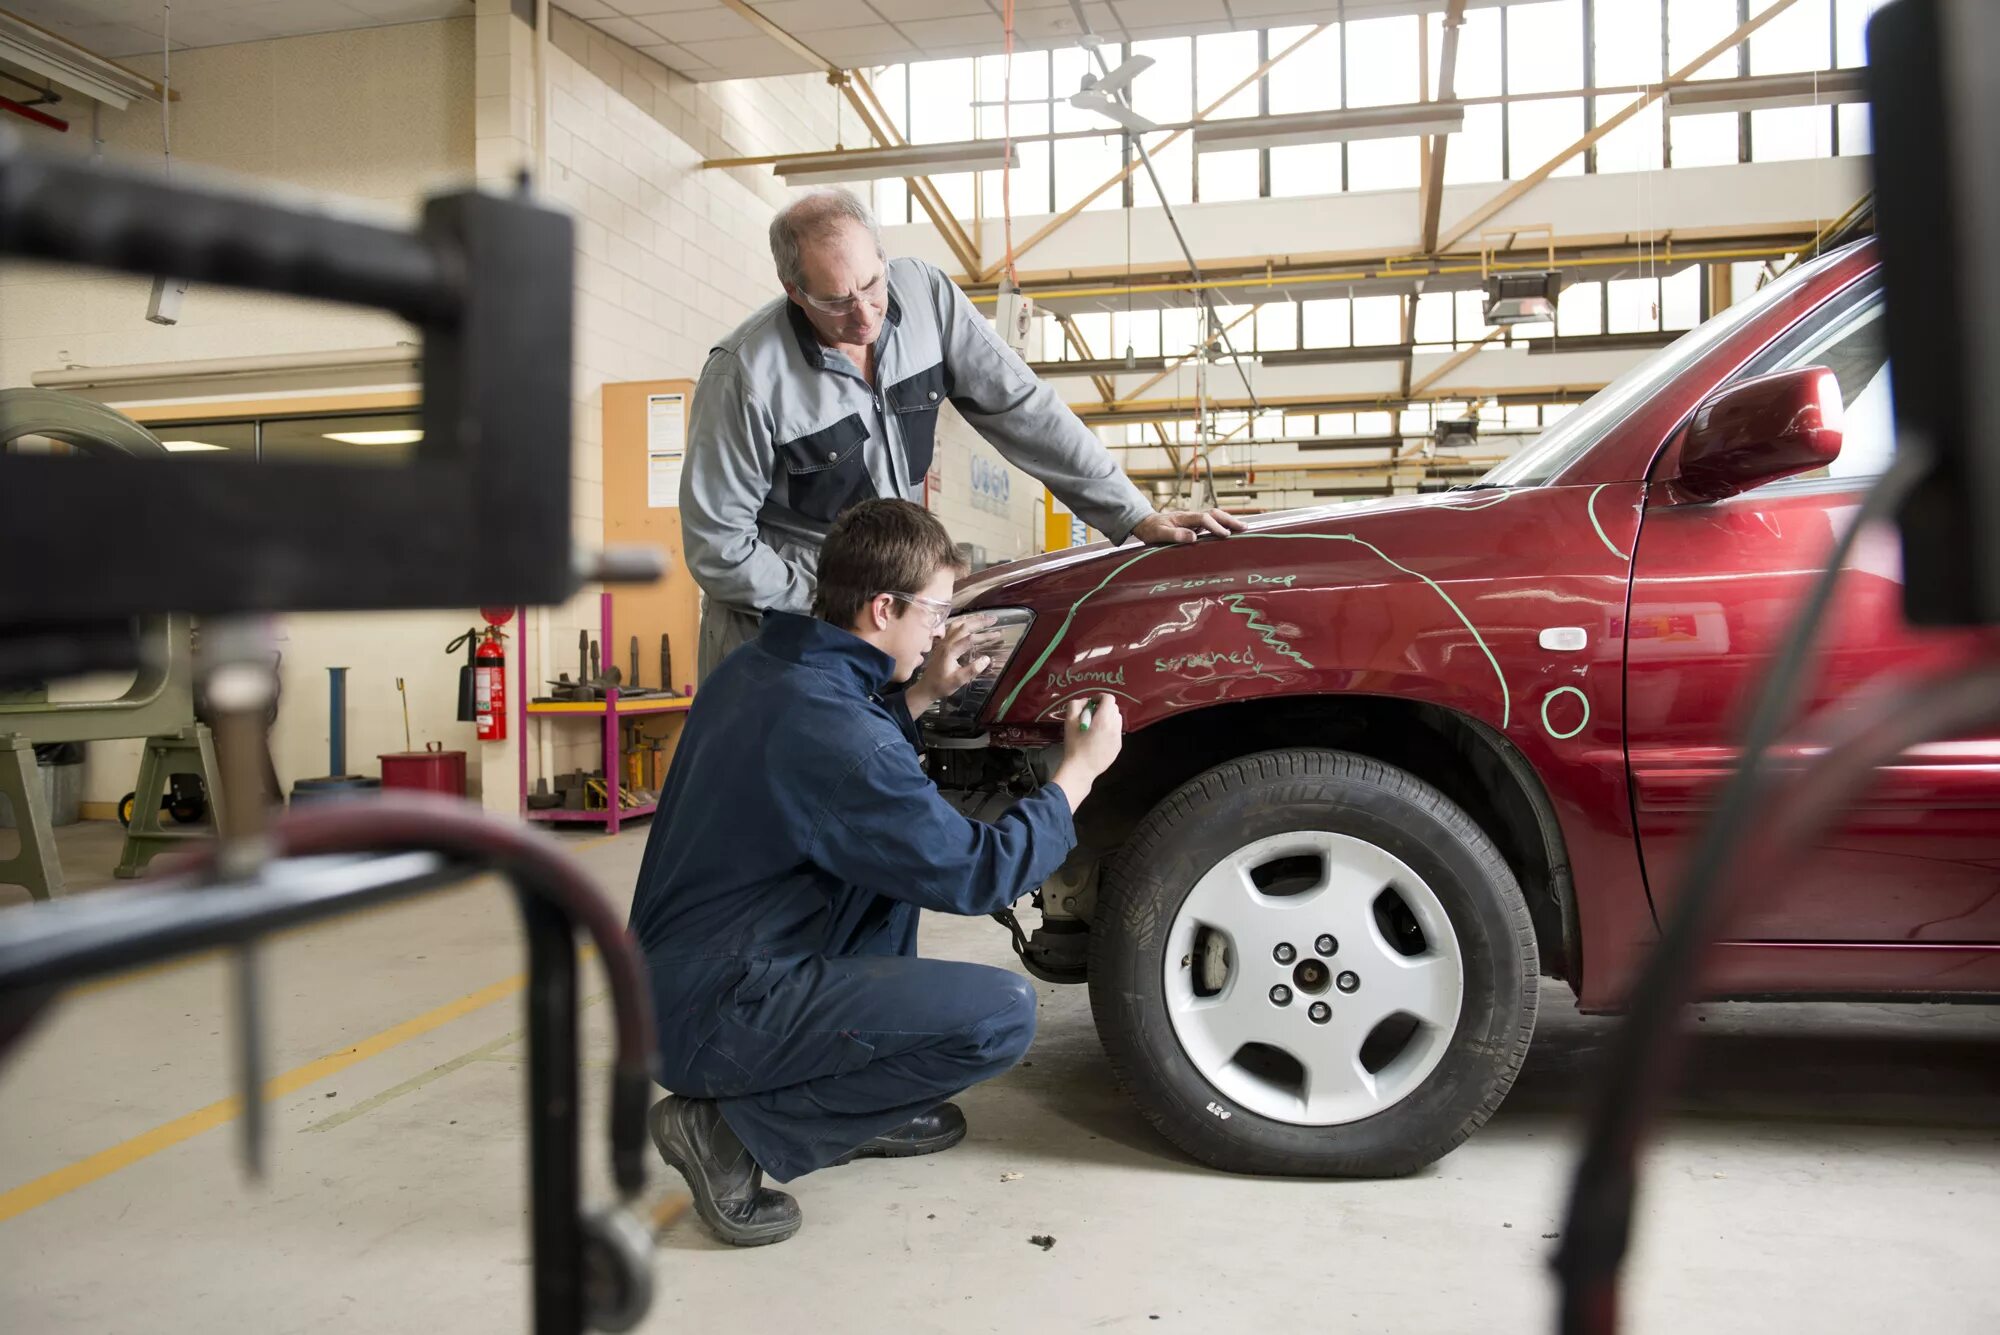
[1166,528]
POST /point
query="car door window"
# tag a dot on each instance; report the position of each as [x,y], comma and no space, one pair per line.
[1847,336]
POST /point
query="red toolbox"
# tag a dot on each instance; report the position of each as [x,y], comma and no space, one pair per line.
[433,769]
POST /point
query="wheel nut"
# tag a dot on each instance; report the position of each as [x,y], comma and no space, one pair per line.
[1348,982]
[1281,995]
[1326,945]
[1320,1012]
[1284,954]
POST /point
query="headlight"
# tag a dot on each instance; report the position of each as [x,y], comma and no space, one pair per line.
[960,713]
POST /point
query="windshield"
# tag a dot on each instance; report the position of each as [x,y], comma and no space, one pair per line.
[1567,441]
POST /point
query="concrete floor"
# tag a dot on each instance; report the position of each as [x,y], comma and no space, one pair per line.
[1834,1168]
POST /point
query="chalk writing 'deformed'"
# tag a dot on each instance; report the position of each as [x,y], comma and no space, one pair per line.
[1069,677]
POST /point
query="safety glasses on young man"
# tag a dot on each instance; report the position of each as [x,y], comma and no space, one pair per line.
[935,611]
[874,294]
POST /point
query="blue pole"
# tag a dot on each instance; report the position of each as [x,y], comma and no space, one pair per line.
[336,751]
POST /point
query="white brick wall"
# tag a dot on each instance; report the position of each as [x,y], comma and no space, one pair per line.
[376,117]
[670,256]
[702,231]
[1004,536]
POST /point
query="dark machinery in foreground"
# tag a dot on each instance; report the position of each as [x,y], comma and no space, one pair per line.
[1933,100]
[480,516]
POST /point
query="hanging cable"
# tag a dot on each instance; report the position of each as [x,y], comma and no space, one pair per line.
[167,84]
[1007,141]
[1130,363]
[1819,226]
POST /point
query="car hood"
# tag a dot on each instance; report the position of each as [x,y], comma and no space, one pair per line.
[1015,584]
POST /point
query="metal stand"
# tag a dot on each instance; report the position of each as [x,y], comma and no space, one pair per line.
[590,1271]
[555,1170]
[190,751]
[35,864]
[480,517]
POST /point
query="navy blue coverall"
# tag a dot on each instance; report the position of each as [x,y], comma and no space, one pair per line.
[795,842]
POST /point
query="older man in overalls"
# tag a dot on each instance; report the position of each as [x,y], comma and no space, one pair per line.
[830,395]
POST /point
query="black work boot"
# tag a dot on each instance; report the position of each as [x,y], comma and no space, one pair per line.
[728,1186]
[927,1133]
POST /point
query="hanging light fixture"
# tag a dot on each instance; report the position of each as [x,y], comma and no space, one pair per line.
[1522,298]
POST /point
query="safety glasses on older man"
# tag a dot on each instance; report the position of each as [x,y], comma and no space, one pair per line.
[874,294]
[935,611]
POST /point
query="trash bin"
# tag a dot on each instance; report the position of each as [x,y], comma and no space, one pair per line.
[60,765]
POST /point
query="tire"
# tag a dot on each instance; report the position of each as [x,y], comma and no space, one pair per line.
[125,807]
[1305,833]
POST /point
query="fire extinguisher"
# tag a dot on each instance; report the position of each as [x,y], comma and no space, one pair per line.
[489,686]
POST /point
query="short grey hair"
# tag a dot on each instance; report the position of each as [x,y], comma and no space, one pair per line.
[811,218]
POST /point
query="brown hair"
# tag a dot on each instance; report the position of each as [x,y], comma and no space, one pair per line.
[880,546]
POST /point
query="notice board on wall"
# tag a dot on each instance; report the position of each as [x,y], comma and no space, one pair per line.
[645,443]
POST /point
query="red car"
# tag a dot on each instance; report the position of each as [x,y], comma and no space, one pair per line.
[1390,762]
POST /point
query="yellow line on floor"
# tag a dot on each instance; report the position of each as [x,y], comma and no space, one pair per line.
[52,1186]
[484,1052]
[414,1083]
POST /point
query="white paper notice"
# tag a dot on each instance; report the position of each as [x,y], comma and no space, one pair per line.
[666,445]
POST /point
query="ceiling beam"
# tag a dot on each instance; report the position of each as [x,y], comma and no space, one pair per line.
[777,34]
[1059,136]
[1061,220]
[76,68]
[1268,470]
[1185,410]
[1774,243]
[1451,363]
[1109,278]
[1366,353]
[1430,200]
[1409,340]
[854,87]
[861,95]
[1187,357]
[1106,389]
[1471,222]
[1074,337]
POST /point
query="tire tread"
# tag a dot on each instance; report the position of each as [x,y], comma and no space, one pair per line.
[1137,913]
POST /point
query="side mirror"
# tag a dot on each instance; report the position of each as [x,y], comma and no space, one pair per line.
[1760,430]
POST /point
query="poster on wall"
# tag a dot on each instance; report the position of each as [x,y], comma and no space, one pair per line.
[666,446]
[1065,528]
[992,485]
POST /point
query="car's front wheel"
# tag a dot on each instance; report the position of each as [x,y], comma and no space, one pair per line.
[1306,962]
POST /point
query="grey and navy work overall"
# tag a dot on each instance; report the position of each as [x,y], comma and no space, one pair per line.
[796,840]
[786,434]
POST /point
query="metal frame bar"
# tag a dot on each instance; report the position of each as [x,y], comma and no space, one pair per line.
[1063,219]
[427,845]
[878,122]
[1430,199]
[1311,273]
[1107,390]
[1176,363]
[482,514]
[1452,363]
[1514,192]
[860,95]
[1182,410]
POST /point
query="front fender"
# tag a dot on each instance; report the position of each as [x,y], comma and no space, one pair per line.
[1169,630]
